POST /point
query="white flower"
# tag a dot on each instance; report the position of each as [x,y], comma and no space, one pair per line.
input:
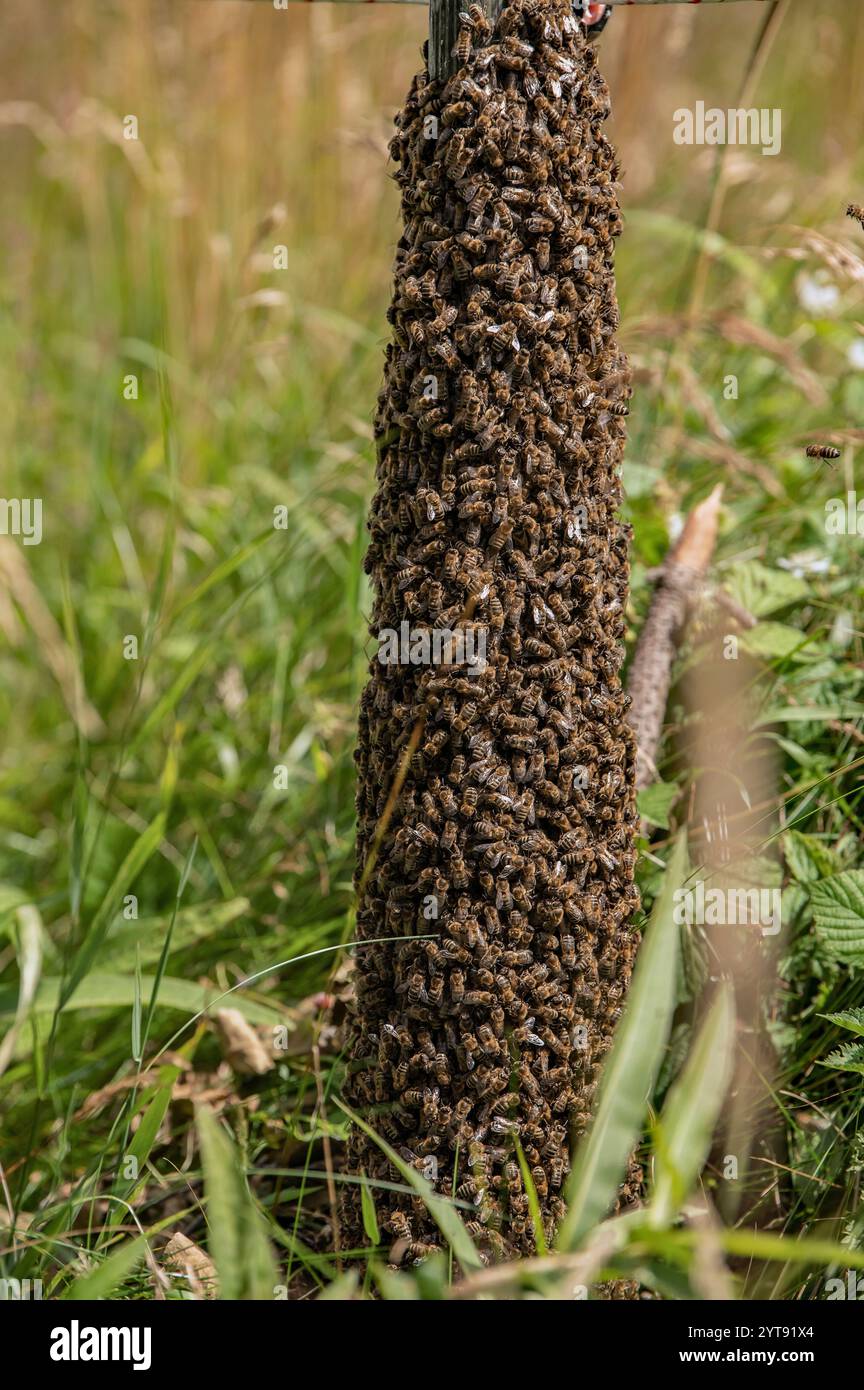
[817,293]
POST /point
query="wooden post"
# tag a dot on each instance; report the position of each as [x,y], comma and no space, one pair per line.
[444,30]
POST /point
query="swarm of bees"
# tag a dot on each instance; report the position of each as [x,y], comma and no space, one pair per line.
[500,428]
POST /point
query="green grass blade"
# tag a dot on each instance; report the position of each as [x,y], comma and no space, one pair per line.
[110,1274]
[370,1216]
[151,1123]
[29,969]
[238,1240]
[103,990]
[631,1068]
[145,846]
[166,945]
[533,1201]
[687,1124]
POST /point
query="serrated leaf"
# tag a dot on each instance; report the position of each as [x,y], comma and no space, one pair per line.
[655,802]
[849,1057]
[850,1019]
[773,641]
[762,590]
[631,1069]
[838,914]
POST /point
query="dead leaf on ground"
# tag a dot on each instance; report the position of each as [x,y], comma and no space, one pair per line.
[242,1045]
[186,1261]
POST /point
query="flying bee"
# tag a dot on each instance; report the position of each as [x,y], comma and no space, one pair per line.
[822,451]
[857,211]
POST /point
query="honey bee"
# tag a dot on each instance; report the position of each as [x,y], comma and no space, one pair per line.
[855,210]
[435,990]
[420,1250]
[417,989]
[822,451]
[400,1225]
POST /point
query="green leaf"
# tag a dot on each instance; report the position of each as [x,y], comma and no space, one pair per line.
[849,1057]
[695,1100]
[838,912]
[773,641]
[807,857]
[631,1069]
[655,802]
[850,1019]
[238,1241]
[118,992]
[762,590]
[809,714]
[149,934]
[151,1120]
[443,1213]
[102,1281]
[370,1217]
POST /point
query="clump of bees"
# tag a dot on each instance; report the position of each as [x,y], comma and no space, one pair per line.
[500,428]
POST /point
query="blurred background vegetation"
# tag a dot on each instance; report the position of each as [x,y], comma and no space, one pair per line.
[155,258]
